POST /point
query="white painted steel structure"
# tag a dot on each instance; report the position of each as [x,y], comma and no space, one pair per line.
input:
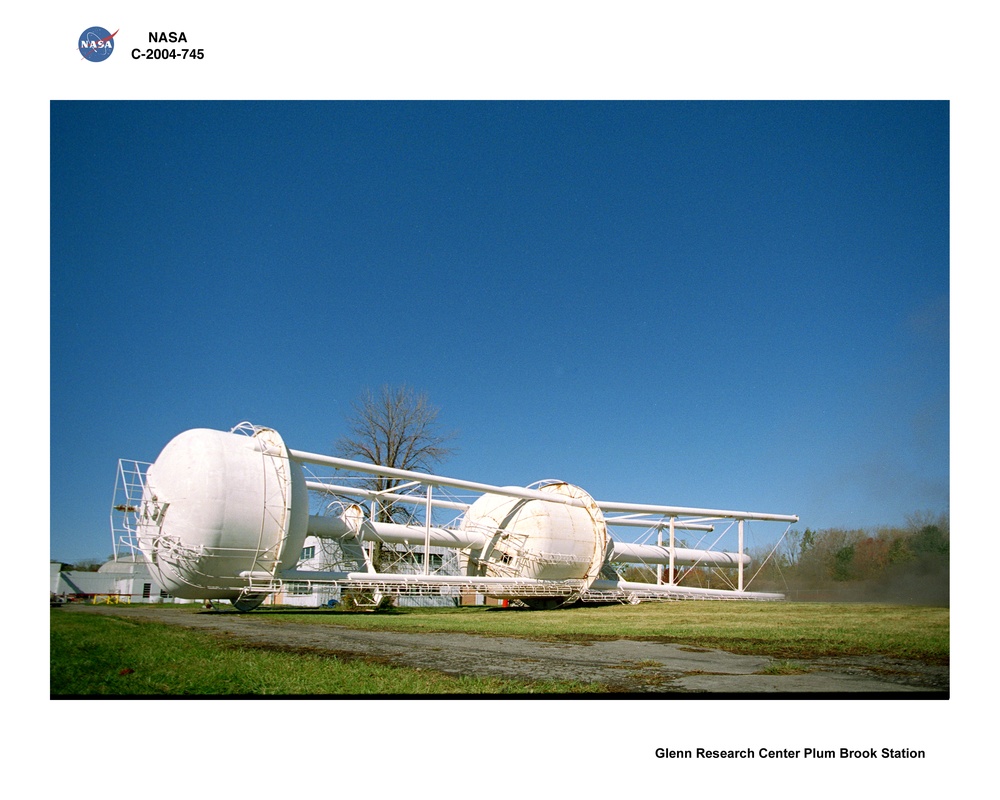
[224,515]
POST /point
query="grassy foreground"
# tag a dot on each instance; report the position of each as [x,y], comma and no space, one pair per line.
[779,630]
[99,655]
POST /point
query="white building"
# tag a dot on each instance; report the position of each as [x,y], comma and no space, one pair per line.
[127,580]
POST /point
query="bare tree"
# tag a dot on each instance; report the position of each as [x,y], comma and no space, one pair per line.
[394,427]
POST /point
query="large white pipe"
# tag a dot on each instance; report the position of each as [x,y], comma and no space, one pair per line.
[660,524]
[668,590]
[683,511]
[455,580]
[530,494]
[356,491]
[656,554]
[416,499]
[434,480]
[394,533]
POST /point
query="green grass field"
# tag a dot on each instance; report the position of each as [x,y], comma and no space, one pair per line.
[100,655]
[779,630]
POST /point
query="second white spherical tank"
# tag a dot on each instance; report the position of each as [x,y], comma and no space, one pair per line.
[540,539]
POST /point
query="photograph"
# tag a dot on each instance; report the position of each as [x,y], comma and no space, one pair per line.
[447,362]
[618,370]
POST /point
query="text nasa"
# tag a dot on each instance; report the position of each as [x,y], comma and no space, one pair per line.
[807,752]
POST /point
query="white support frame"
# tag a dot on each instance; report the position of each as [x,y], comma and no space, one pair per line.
[131,481]
[632,514]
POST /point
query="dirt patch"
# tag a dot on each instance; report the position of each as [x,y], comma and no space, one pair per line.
[621,666]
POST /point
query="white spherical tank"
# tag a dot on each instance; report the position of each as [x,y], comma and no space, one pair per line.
[540,539]
[221,508]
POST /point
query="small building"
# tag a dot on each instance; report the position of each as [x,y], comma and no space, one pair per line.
[128,579]
[125,580]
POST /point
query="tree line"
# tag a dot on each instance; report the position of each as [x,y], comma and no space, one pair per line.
[907,564]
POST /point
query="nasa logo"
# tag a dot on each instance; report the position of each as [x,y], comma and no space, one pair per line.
[97,44]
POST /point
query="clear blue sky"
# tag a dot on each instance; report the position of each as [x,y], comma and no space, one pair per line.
[735,305]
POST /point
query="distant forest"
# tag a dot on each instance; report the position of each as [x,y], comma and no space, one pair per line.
[888,564]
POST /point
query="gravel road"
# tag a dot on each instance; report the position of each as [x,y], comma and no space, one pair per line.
[624,666]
